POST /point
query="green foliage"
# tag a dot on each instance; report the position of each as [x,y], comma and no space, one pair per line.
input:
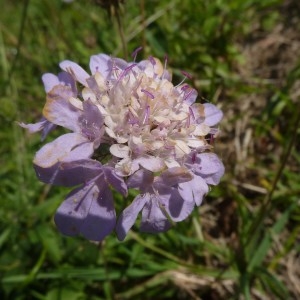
[237,244]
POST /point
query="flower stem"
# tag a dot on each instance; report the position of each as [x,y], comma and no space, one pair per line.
[121,33]
[268,199]
[143,23]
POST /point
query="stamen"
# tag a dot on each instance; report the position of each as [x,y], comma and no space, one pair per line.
[115,69]
[187,75]
[166,61]
[147,93]
[134,89]
[129,68]
[135,52]
[152,60]
[192,113]
[126,71]
[185,87]
[165,66]
[147,114]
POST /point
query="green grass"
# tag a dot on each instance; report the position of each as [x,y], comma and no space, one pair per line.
[243,242]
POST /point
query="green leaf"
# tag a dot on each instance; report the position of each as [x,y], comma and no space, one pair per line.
[271,282]
[50,241]
[260,251]
[64,293]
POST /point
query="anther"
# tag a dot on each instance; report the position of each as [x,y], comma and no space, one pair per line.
[187,75]
[166,61]
[147,93]
[152,60]
[165,66]
[135,52]
[192,113]
[185,87]
[126,71]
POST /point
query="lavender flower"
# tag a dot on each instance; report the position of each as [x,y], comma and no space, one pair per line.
[130,127]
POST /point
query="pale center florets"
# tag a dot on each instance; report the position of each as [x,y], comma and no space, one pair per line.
[145,114]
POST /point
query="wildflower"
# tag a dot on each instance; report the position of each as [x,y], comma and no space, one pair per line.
[130,127]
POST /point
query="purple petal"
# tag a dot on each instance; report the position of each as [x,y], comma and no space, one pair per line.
[166,75]
[197,113]
[87,211]
[177,208]
[101,219]
[104,64]
[91,121]
[193,190]
[63,78]
[129,215]
[70,146]
[60,111]
[153,219]
[78,73]
[120,63]
[206,165]
[171,202]
[35,127]
[93,85]
[175,175]
[116,181]
[68,80]
[48,127]
[190,96]
[81,151]
[50,81]
[99,63]
[69,174]
[142,65]
[43,124]
[141,180]
[213,115]
[72,212]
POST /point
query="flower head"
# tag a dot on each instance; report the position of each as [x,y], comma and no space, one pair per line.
[130,127]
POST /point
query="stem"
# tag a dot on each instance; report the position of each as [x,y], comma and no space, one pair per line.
[20,38]
[121,33]
[110,290]
[268,199]
[285,158]
[143,23]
